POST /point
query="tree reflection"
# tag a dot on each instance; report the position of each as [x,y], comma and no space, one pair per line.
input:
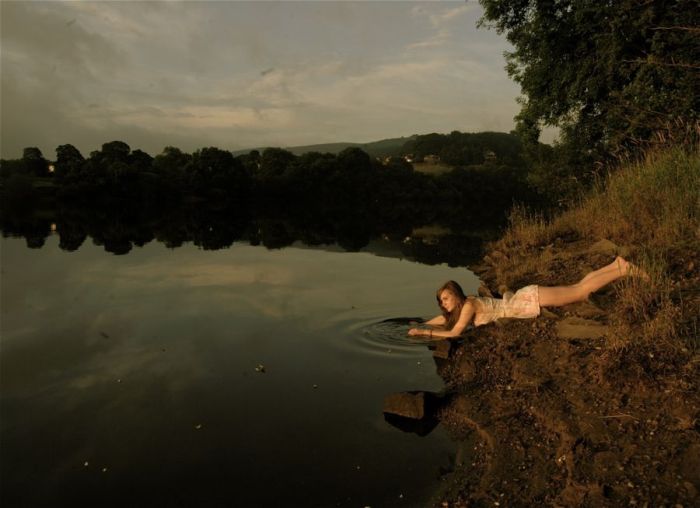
[119,230]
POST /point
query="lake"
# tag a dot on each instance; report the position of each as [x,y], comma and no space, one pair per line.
[234,377]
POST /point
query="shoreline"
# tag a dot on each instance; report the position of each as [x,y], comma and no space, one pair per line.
[546,411]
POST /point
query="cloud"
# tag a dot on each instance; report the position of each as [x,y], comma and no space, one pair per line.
[435,41]
[441,18]
[194,74]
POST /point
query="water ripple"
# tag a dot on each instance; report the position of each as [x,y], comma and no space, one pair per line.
[383,338]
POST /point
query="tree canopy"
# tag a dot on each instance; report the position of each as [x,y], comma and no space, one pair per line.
[609,73]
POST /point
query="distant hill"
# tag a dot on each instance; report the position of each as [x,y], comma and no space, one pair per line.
[382,148]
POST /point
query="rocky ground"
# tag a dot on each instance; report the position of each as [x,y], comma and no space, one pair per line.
[547,413]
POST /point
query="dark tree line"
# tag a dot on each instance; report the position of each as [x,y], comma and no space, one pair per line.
[349,182]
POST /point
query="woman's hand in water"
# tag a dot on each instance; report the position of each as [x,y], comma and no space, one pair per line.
[417,332]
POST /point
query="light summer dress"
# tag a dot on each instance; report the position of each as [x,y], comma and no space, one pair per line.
[523,304]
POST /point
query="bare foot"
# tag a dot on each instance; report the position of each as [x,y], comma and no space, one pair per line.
[631,269]
[623,265]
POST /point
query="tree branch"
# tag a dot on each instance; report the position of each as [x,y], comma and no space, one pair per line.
[665,64]
[684,28]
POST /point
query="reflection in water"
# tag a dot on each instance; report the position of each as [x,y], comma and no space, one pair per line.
[133,378]
[421,427]
[120,230]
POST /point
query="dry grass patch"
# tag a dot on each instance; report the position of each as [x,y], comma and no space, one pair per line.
[650,209]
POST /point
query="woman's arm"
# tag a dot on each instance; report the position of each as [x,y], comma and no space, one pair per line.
[465,317]
[436,321]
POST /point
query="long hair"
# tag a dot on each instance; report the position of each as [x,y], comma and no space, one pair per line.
[451,318]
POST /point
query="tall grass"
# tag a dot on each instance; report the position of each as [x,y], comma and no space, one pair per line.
[654,202]
[650,208]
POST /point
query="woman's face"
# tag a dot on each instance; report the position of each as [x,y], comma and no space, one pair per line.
[448,300]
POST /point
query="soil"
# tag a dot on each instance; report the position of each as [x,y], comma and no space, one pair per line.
[546,413]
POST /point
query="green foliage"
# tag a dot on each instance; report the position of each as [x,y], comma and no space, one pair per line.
[68,161]
[274,163]
[34,162]
[115,151]
[611,71]
[609,74]
[213,171]
[172,160]
[140,160]
[466,149]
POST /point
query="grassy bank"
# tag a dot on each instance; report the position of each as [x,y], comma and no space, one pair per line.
[595,403]
[648,211]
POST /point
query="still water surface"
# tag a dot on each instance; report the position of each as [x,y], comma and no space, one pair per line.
[131,380]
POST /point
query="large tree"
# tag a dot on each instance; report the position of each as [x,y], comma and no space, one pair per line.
[608,72]
[34,162]
[69,161]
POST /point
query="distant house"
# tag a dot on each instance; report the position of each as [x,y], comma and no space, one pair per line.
[489,156]
[431,159]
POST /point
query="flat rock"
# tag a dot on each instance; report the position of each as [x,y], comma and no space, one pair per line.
[604,247]
[580,328]
[406,404]
[607,247]
[587,310]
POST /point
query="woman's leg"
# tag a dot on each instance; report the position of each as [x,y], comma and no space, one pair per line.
[564,295]
[618,264]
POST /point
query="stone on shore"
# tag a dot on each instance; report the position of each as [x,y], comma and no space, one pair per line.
[587,310]
[580,328]
[406,404]
[608,248]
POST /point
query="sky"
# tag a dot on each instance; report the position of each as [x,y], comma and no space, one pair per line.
[239,75]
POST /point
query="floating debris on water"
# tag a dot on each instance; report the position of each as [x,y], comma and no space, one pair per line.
[260,368]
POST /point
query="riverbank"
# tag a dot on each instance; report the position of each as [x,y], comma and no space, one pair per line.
[597,403]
